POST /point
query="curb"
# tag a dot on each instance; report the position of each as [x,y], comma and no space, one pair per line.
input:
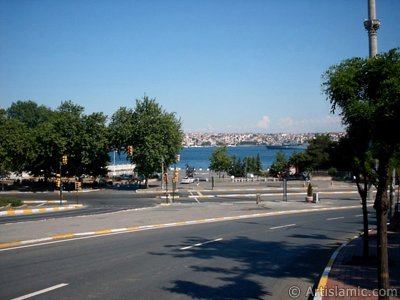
[325,274]
[90,234]
[44,201]
[39,210]
[266,194]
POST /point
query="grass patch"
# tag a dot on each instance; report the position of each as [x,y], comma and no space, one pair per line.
[12,201]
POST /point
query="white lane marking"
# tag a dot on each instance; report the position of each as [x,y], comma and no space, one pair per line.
[201,244]
[337,218]
[283,226]
[357,216]
[194,197]
[41,291]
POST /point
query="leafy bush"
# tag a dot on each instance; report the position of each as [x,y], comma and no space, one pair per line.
[13,202]
[309,190]
[332,171]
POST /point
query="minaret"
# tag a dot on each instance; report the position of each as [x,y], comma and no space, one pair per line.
[372,26]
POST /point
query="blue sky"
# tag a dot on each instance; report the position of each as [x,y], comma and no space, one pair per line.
[221,65]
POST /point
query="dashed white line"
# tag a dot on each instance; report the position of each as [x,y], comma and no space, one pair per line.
[201,244]
[41,291]
[337,218]
[283,226]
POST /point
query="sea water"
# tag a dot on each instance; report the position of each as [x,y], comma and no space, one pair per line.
[199,157]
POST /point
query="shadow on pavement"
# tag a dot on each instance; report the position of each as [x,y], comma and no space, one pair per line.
[242,268]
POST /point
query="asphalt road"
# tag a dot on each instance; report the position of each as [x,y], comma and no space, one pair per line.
[243,259]
[105,201]
[96,202]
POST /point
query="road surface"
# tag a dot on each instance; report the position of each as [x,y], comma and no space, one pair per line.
[260,258]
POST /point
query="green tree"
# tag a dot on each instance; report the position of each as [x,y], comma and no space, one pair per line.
[318,152]
[15,146]
[238,167]
[300,160]
[155,135]
[3,150]
[369,89]
[279,165]
[121,128]
[46,135]
[258,166]
[67,129]
[48,147]
[353,154]
[19,142]
[220,161]
[82,138]
[29,113]
[94,144]
[253,164]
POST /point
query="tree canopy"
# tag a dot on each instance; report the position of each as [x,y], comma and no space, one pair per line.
[279,165]
[155,135]
[367,91]
[36,137]
[220,161]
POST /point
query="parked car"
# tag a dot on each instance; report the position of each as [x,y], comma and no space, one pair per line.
[187,180]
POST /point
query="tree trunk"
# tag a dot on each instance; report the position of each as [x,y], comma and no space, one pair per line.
[365,228]
[363,191]
[381,206]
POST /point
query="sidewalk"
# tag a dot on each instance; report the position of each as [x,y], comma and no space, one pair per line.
[352,277]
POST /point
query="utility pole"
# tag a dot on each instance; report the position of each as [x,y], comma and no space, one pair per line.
[372,25]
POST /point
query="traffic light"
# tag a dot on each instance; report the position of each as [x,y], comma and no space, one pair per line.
[176,177]
[130,150]
[64,159]
[78,185]
[58,181]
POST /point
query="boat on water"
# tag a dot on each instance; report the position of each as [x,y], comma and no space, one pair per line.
[287,145]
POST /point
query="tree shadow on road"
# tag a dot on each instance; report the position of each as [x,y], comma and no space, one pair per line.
[244,268]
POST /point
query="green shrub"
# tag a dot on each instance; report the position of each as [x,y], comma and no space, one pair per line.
[332,171]
[309,190]
[13,202]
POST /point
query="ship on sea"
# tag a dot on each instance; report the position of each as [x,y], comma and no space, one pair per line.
[287,145]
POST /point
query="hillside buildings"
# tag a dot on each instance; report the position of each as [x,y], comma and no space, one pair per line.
[241,139]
